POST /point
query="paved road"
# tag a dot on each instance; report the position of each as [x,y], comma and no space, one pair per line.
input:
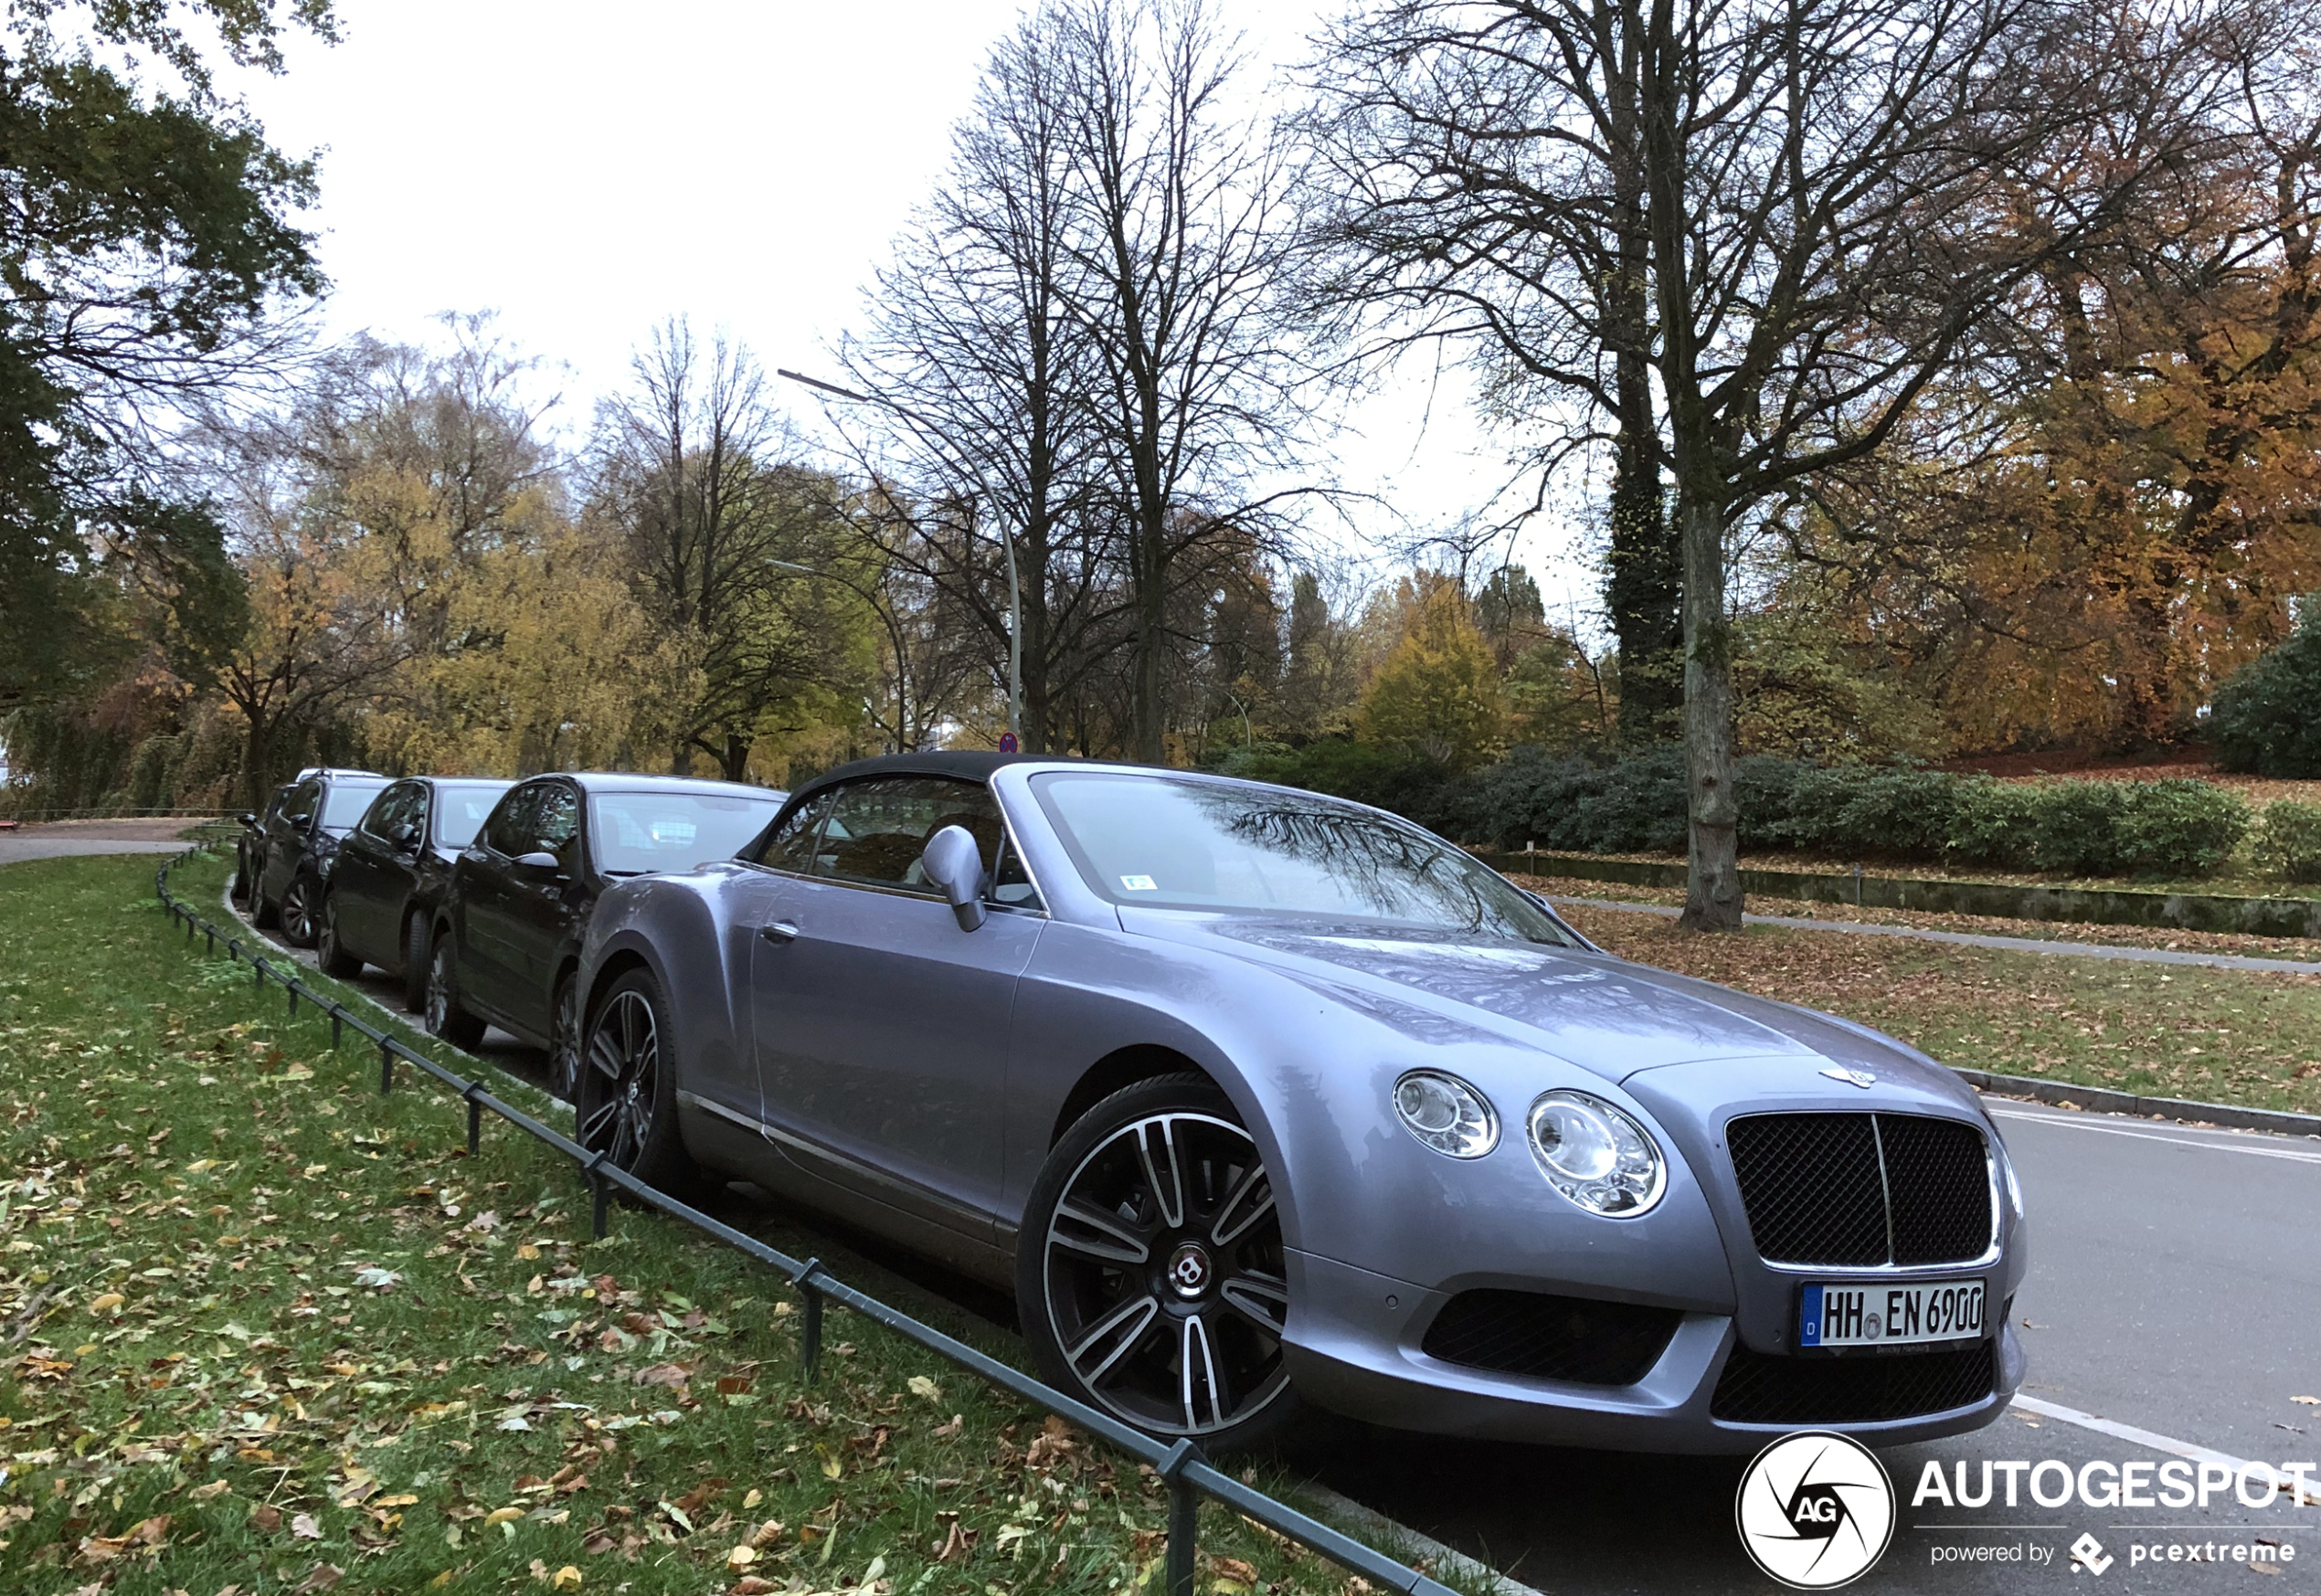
[2174,1287]
[63,838]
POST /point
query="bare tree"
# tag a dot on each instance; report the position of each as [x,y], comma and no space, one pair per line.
[688,467]
[1838,199]
[981,375]
[1183,251]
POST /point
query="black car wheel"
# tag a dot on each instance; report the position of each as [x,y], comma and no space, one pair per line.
[263,914]
[330,953]
[298,911]
[1150,1276]
[564,1042]
[445,1017]
[627,1107]
[415,963]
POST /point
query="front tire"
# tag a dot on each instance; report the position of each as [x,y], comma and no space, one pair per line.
[564,1042]
[416,949]
[298,911]
[330,953]
[1149,1275]
[445,1017]
[626,1101]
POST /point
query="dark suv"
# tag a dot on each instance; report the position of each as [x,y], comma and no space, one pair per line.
[294,846]
[391,873]
[507,938]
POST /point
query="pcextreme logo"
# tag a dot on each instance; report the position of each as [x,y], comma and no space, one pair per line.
[1814,1510]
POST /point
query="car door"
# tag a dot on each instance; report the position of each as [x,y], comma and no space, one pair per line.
[880,1027]
[543,910]
[485,912]
[366,882]
[286,831]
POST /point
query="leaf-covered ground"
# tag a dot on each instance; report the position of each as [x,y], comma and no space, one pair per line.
[2216,1036]
[264,1330]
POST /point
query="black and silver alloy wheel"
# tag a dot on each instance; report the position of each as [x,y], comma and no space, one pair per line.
[626,1107]
[298,913]
[624,1086]
[564,1042]
[1159,1278]
[445,1016]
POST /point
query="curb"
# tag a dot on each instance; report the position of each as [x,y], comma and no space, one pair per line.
[2104,1100]
[1410,1542]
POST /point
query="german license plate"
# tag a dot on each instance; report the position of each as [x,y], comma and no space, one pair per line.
[1868,1314]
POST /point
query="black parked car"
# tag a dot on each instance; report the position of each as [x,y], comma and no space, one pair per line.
[507,939]
[291,856]
[391,875]
[253,837]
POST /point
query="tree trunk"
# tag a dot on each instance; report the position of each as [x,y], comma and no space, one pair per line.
[1712,894]
[733,759]
[1153,619]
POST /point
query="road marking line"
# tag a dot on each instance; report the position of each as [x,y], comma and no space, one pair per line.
[2294,1156]
[1336,1504]
[2308,1496]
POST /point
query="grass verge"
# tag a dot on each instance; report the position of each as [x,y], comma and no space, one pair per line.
[2217,1035]
[264,1330]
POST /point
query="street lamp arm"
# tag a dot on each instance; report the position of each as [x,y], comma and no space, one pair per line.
[893,633]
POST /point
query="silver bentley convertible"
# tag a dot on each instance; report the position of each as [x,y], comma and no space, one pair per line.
[1259,1098]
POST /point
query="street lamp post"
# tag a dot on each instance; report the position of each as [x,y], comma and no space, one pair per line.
[902,737]
[998,518]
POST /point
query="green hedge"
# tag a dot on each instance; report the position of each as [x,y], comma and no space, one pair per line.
[1568,803]
[2288,842]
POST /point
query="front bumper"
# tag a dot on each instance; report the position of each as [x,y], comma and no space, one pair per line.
[1354,1347]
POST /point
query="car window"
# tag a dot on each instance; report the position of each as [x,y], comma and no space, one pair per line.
[460,808]
[638,833]
[509,832]
[1165,842]
[344,804]
[878,828]
[299,807]
[557,824]
[390,813]
[791,846]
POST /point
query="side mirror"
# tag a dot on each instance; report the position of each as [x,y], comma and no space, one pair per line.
[953,866]
[246,818]
[542,863]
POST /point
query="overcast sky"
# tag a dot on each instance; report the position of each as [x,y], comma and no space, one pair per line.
[584,169]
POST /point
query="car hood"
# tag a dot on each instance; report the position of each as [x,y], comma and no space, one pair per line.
[1607,1015]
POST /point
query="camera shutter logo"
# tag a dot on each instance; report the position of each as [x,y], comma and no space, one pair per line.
[1815,1511]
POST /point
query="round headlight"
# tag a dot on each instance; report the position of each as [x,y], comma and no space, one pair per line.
[1596,1154]
[1446,1113]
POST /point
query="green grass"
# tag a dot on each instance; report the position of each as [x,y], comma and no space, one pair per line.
[262,1327]
[2165,1031]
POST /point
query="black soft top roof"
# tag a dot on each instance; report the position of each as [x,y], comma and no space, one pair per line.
[964,765]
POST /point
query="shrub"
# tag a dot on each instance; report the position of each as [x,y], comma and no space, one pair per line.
[2267,717]
[2175,828]
[2288,842]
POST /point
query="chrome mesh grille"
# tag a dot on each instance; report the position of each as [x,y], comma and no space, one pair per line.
[1850,1190]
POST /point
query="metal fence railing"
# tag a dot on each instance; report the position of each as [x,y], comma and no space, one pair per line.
[1187,1475]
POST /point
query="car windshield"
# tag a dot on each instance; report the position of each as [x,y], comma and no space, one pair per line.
[640,833]
[1153,840]
[460,809]
[346,802]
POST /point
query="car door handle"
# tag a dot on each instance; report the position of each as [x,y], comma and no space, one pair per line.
[779,931]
